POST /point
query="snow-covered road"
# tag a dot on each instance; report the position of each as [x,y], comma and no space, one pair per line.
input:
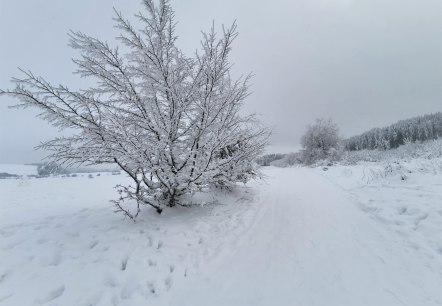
[311,245]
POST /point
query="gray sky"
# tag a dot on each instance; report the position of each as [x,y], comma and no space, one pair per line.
[364,63]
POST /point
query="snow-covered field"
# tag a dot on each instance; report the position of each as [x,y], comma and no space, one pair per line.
[402,197]
[61,243]
[18,169]
[351,235]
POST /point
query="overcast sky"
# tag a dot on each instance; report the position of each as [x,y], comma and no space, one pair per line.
[364,63]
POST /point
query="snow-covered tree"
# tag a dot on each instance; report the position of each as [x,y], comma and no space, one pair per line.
[321,141]
[171,122]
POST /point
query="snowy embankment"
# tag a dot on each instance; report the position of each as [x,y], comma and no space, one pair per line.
[403,197]
[301,239]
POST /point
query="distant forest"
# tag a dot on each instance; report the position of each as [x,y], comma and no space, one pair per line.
[426,127]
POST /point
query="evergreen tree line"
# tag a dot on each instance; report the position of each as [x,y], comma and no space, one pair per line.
[426,127]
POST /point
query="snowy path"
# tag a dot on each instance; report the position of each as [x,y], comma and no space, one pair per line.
[297,239]
[311,245]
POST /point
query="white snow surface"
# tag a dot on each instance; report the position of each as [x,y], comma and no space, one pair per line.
[302,237]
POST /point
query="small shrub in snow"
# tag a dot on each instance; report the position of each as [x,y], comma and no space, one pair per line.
[267,159]
[288,160]
[49,168]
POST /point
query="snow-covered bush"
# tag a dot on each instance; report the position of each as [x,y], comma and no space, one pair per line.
[288,160]
[321,141]
[267,159]
[403,162]
[49,168]
[426,150]
[169,121]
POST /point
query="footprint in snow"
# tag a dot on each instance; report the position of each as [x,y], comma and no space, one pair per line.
[110,281]
[419,219]
[7,233]
[124,263]
[73,234]
[93,244]
[42,240]
[4,276]
[168,283]
[160,244]
[151,287]
[13,244]
[5,297]
[171,268]
[56,260]
[402,210]
[54,294]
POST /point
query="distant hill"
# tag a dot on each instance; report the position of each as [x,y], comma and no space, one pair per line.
[422,128]
[18,170]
